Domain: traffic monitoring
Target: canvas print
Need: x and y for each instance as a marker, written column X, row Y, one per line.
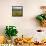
column 17, row 11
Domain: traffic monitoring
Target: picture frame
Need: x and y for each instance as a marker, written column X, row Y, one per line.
column 17, row 11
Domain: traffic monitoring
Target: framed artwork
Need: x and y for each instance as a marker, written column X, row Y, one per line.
column 17, row 11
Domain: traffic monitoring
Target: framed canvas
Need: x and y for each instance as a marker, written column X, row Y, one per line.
column 17, row 11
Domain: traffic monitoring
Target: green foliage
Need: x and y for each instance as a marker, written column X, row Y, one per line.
column 11, row 31
column 45, row 17
column 41, row 17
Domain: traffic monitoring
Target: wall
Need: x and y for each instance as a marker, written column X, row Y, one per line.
column 27, row 24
